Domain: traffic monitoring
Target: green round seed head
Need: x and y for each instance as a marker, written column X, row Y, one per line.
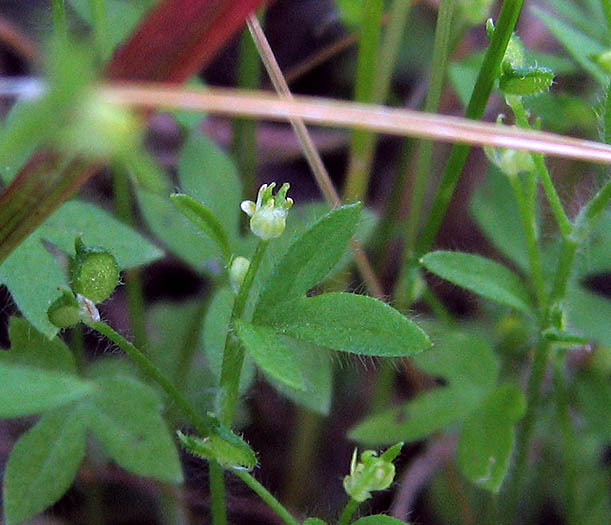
column 64, row 311
column 94, row 272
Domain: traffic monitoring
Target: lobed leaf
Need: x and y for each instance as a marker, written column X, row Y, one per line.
column 480, row 275
column 349, row 323
column 43, row 464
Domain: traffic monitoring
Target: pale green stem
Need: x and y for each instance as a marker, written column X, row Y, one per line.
column 441, row 52
column 348, row 512
column 361, row 147
column 266, row 496
column 99, row 22
column 542, row 172
column 60, row 23
column 218, row 504
column 233, row 355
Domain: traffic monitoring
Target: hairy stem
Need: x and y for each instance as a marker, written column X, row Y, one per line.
column 233, row 355
column 348, row 512
column 266, row 496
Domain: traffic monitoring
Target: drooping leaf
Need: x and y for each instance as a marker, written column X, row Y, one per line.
column 25, row 390
column 214, row 334
column 43, row 464
column 270, row 354
column 124, row 415
column 33, row 296
column 487, row 437
column 30, row 348
column 349, row 323
column 480, row 275
column 310, row 258
column 316, row 368
column 204, row 219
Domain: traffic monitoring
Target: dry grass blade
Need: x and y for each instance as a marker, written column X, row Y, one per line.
column 326, row 112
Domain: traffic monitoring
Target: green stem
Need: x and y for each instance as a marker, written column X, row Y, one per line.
column 527, row 425
column 99, row 22
column 508, row 18
column 60, row 23
column 245, row 130
column 383, row 388
column 529, row 225
column 348, row 512
column 203, row 425
column 216, row 475
column 607, row 10
column 390, row 48
column 361, row 143
column 133, row 281
column 542, row 172
column 441, row 52
column 266, row 496
column 303, row 449
column 569, row 441
column 233, row 355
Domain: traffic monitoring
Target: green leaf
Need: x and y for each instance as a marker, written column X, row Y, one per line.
column 30, row 348
column 594, row 396
column 499, row 219
column 25, row 390
column 310, row 258
column 589, row 314
column 214, row 334
column 349, row 323
column 525, row 81
column 32, row 295
column 378, row 519
column 314, row 521
column 270, row 354
column 207, row 174
column 129, row 13
column 461, row 358
column 204, row 219
column 580, row 46
column 316, row 368
column 480, row 275
column 124, row 415
column 467, row 362
column 43, row 464
column 416, row 419
column 487, row 438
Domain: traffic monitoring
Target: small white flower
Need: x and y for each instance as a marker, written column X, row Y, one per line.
column 268, row 214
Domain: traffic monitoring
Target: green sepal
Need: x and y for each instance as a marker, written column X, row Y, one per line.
column 94, row 272
column 219, row 449
column 65, row 310
column 524, row 81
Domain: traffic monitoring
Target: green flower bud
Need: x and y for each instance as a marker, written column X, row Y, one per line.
column 370, row 473
column 511, row 162
column 227, row 453
column 237, row 272
column 94, row 272
column 65, row 311
column 268, row 214
column 515, row 54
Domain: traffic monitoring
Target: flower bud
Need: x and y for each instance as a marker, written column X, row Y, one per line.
column 65, row 310
column 370, row 473
column 268, row 214
column 237, row 272
column 94, row 272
